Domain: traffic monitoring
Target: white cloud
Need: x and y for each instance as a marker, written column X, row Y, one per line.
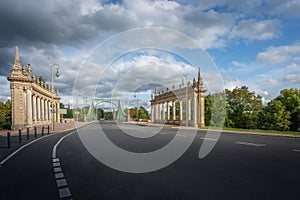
column 293, row 67
column 254, row 29
column 275, row 55
column 231, row 83
column 239, row 64
column 293, row 78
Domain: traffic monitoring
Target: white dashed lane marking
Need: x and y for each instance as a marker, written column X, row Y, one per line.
column 57, row 169
column 250, row 144
column 56, row 164
column 64, row 192
column 179, row 135
column 61, row 182
column 211, row 139
column 59, row 175
column 296, row 150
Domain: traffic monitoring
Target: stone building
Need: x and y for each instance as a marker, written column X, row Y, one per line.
column 31, row 98
column 189, row 99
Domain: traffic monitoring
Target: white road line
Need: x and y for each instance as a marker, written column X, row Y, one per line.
column 57, row 164
column 296, row 150
column 57, row 169
column 184, row 136
column 59, row 141
column 19, row 149
column 61, row 182
column 250, row 144
column 64, row 192
column 59, row 175
column 211, row 139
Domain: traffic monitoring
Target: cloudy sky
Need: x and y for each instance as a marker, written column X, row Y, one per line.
column 254, row 43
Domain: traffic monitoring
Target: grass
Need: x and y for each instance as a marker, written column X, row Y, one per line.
column 262, row 131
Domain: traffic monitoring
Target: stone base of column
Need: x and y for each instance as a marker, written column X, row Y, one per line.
column 202, row 125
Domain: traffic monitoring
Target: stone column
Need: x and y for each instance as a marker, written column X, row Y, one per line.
column 152, row 113
column 49, row 107
column 180, row 110
column 195, row 110
column 174, row 110
column 155, row 112
column 50, row 111
column 46, row 109
column 168, row 111
column 158, row 112
column 38, row 105
column 201, row 110
column 163, row 111
column 34, row 108
column 29, row 106
column 42, row 109
column 189, row 108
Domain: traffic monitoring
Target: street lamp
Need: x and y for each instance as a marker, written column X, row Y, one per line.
column 137, row 106
column 186, row 102
column 52, row 92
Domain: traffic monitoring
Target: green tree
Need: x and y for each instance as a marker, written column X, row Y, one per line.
column 207, row 107
column 143, row 113
column 215, row 110
column 108, row 115
column 243, row 107
column 290, row 98
column 274, row 116
column 5, row 115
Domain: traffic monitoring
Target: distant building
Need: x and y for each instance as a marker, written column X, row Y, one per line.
column 31, row 98
column 191, row 114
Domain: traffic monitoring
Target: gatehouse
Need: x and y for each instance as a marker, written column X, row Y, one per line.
column 187, row 104
column 31, row 98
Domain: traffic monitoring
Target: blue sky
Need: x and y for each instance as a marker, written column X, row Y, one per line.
column 253, row 43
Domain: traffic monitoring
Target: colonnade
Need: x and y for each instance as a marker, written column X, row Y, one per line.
column 188, row 111
column 189, row 100
column 38, row 108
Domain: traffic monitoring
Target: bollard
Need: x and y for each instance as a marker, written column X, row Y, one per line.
column 20, row 135
column 8, row 139
column 35, row 134
column 48, row 129
column 27, row 133
column 43, row 131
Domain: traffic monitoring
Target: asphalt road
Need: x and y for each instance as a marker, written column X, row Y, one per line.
column 240, row 166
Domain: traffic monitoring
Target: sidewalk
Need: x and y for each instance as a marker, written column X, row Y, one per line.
column 15, row 142
column 59, row 127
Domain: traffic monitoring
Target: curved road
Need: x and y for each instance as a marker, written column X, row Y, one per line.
column 239, row 167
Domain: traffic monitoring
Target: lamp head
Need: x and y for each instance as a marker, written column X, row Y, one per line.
column 57, row 74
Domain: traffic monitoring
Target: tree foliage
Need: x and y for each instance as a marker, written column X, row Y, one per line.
column 143, row 113
column 5, row 115
column 215, row 110
column 274, row 116
column 243, row 107
column 290, row 98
